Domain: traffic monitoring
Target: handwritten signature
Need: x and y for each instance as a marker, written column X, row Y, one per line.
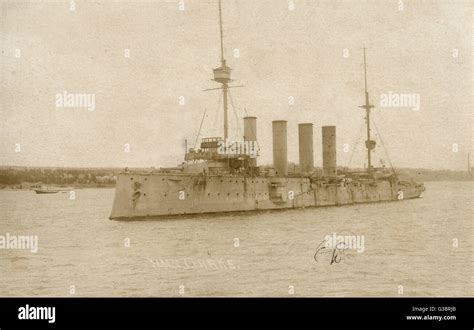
column 337, row 255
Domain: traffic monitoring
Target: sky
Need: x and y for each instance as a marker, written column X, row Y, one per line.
column 146, row 64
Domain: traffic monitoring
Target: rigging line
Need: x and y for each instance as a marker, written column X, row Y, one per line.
column 199, row 132
column 235, row 114
column 359, row 135
column 384, row 148
column 216, row 117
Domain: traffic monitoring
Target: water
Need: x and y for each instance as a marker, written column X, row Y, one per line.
column 408, row 244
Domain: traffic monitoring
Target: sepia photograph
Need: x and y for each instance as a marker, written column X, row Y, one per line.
column 233, row 148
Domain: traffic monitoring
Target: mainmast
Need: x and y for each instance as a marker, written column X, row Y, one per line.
column 222, row 75
column 369, row 144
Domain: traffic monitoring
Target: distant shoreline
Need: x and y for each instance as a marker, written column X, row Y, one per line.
column 74, row 187
column 20, row 178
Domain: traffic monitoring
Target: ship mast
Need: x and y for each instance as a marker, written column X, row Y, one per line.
column 369, row 144
column 221, row 34
column 222, row 75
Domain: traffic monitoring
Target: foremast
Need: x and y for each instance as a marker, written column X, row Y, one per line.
column 222, row 76
column 221, row 154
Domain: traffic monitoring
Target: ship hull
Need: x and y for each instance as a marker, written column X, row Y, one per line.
column 156, row 195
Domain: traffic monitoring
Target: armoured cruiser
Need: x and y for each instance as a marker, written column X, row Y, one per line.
column 221, row 177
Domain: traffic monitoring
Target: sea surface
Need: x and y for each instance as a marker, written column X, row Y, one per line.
column 420, row 247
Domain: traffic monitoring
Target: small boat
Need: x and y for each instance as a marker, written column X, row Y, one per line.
column 45, row 191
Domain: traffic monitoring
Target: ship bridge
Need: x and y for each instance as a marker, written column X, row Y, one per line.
column 218, row 149
column 222, row 156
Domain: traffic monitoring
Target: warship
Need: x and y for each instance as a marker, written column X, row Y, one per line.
column 224, row 177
